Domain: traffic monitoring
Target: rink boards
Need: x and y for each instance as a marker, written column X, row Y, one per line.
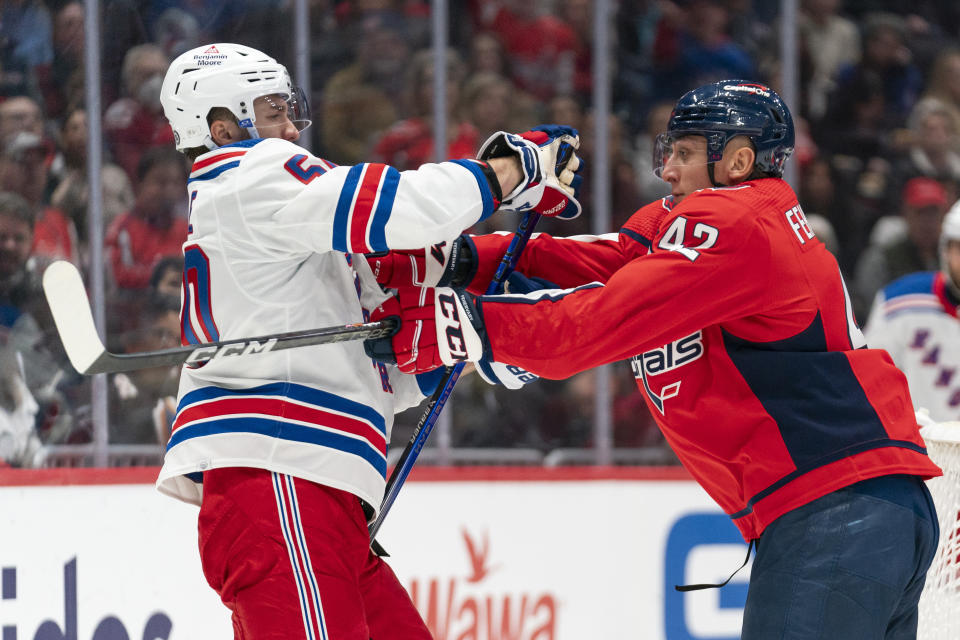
column 487, row 554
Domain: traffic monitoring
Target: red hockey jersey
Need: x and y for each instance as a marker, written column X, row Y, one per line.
column 739, row 329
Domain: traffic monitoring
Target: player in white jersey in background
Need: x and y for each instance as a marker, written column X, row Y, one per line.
column 915, row 319
column 286, row 452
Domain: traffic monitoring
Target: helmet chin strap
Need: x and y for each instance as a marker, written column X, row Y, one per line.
column 713, row 180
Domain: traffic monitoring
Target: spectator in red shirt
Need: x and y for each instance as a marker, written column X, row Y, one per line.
column 156, row 226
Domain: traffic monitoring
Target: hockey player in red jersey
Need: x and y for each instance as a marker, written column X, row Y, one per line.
column 286, row 452
column 738, row 326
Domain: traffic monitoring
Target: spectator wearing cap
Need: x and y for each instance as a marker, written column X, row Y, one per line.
column 25, row 171
column 903, row 244
column 24, row 114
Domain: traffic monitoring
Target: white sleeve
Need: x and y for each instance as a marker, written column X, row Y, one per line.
column 318, row 207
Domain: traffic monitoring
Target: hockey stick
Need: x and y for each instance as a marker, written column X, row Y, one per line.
column 439, row 398
column 70, row 306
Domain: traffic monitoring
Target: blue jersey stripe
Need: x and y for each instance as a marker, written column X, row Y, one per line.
column 633, row 235
column 341, row 218
column 196, row 260
column 300, row 393
column 485, row 193
column 186, row 327
column 388, row 194
column 284, row 431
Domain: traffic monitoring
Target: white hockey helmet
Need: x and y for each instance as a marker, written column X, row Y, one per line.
column 224, row 75
column 950, row 230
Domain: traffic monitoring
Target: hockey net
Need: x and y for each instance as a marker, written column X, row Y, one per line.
column 940, row 601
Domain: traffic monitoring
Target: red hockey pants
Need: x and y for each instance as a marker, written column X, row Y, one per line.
column 291, row 559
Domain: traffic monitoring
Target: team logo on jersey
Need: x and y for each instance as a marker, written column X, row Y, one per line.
column 666, row 358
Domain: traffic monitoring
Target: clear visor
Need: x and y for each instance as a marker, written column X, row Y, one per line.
column 684, row 150
column 278, row 109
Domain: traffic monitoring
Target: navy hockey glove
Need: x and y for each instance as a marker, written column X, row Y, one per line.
column 549, row 164
column 447, row 264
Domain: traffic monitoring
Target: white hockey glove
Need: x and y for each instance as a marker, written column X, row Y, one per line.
column 460, row 332
column 549, row 163
column 461, row 336
column 508, row 375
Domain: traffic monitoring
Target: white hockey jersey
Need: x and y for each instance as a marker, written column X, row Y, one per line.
column 915, row 319
column 274, row 245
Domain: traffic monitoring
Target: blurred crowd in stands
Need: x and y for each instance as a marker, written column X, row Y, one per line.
column 878, row 159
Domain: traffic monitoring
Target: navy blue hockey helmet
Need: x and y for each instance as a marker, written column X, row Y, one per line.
column 722, row 110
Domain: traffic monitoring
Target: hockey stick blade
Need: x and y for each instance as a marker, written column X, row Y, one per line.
column 67, row 297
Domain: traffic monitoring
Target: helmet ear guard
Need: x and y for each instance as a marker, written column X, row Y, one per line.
column 720, row 111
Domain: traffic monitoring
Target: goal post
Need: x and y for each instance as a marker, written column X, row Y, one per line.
column 940, row 601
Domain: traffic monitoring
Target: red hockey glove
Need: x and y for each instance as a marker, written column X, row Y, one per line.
column 447, row 264
column 437, row 327
column 413, row 348
column 549, row 163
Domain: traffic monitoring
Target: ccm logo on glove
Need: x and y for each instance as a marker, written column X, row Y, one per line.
column 449, row 326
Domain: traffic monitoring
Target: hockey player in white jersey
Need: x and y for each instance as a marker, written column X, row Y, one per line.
column 915, row 319
column 286, row 452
